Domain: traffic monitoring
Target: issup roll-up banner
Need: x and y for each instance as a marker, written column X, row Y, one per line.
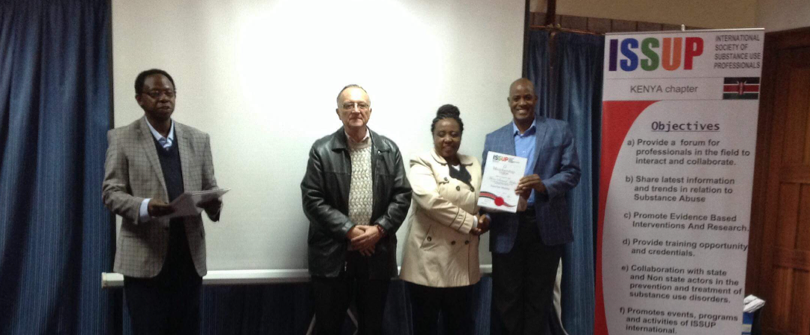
column 677, row 166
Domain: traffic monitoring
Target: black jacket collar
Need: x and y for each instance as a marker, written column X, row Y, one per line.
column 340, row 142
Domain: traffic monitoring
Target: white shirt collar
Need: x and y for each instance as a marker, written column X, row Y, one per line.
column 158, row 136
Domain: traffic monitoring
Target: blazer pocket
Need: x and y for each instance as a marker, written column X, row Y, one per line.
column 429, row 241
column 132, row 230
column 132, row 245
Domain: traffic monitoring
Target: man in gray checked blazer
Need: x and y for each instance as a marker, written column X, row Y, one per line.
column 527, row 246
column 150, row 162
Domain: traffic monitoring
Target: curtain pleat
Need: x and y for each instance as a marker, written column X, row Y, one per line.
column 54, row 115
column 574, row 62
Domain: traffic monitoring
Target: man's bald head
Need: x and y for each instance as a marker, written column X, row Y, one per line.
column 521, row 81
column 354, row 108
column 340, row 94
column 522, row 101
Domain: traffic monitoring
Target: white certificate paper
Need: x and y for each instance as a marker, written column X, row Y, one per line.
column 186, row 203
column 502, row 174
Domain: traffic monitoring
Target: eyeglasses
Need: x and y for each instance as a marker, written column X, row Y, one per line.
column 362, row 106
column 155, row 94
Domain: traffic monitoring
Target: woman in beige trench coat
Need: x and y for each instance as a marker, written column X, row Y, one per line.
column 440, row 258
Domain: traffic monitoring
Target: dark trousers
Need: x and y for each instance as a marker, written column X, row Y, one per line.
column 168, row 303
column 453, row 303
column 523, row 282
column 334, row 295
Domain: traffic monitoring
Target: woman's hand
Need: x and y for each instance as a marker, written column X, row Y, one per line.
column 483, row 225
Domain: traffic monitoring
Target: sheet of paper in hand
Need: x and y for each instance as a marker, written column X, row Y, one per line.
column 501, row 176
column 186, row 203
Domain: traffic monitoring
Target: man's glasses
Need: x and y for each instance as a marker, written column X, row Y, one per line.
column 155, row 94
column 362, row 106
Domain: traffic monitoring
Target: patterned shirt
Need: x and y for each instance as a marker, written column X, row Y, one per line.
column 361, row 193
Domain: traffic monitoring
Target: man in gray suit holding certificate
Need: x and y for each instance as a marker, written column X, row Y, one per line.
column 527, row 246
column 150, row 162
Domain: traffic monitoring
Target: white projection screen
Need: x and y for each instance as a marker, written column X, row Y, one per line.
column 261, row 77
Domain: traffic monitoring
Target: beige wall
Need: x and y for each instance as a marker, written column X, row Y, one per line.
column 694, row 13
column 245, row 69
column 776, row 15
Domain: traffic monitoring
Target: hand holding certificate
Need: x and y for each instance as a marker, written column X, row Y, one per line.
column 187, row 203
column 502, row 174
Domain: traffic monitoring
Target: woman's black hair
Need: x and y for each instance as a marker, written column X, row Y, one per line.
column 448, row 111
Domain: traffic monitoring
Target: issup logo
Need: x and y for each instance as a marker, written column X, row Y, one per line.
column 498, row 158
column 665, row 52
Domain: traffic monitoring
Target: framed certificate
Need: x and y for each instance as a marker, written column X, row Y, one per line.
column 502, row 174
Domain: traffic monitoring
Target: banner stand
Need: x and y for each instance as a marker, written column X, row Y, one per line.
column 677, row 166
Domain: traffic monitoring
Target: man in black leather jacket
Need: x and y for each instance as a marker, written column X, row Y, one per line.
column 356, row 195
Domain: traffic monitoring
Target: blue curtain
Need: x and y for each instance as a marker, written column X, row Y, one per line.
column 54, row 114
column 287, row 309
column 539, row 71
column 573, row 92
